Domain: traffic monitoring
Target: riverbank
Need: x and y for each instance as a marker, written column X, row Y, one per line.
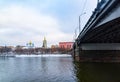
column 34, row 55
column 44, row 55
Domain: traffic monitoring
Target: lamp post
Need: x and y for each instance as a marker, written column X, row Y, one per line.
column 78, row 27
column 80, row 21
column 75, row 33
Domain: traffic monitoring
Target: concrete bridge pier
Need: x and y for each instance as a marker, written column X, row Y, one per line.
column 77, row 52
column 98, row 52
column 100, row 46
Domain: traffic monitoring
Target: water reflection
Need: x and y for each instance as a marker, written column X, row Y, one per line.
column 98, row 72
column 37, row 69
column 56, row 69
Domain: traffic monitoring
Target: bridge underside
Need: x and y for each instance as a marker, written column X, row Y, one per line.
column 99, row 41
column 107, row 33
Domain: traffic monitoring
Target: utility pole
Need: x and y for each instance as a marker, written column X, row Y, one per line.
column 79, row 25
column 80, row 21
column 75, row 34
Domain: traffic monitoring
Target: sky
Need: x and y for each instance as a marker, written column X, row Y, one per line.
column 22, row 21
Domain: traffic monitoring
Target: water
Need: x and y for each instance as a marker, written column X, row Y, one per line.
column 55, row 68
column 37, row 69
column 98, row 72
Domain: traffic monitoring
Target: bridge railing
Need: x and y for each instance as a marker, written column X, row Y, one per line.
column 100, row 7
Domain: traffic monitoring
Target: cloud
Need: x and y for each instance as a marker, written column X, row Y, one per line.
column 19, row 24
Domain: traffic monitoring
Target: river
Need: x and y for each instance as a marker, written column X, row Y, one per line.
column 45, row 68
column 55, row 68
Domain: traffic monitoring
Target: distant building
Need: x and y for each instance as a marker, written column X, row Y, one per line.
column 66, row 45
column 30, row 45
column 44, row 43
column 11, row 47
column 19, row 47
column 54, row 46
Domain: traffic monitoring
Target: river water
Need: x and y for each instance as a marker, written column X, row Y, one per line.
column 55, row 68
column 44, row 68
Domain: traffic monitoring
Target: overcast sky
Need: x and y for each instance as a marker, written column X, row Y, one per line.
column 22, row 21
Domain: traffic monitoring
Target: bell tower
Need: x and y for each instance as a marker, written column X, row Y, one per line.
column 44, row 43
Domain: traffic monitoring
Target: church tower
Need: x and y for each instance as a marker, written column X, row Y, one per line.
column 44, row 43
column 30, row 45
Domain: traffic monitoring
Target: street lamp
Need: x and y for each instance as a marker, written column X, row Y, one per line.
column 75, row 36
column 80, row 21
column 75, row 33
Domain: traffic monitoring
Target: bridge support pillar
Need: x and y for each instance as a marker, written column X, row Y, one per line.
column 109, row 52
column 100, row 46
column 77, row 52
column 73, row 54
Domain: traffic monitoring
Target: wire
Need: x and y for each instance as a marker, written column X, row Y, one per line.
column 82, row 11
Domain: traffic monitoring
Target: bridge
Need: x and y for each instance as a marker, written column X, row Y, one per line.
column 102, row 31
